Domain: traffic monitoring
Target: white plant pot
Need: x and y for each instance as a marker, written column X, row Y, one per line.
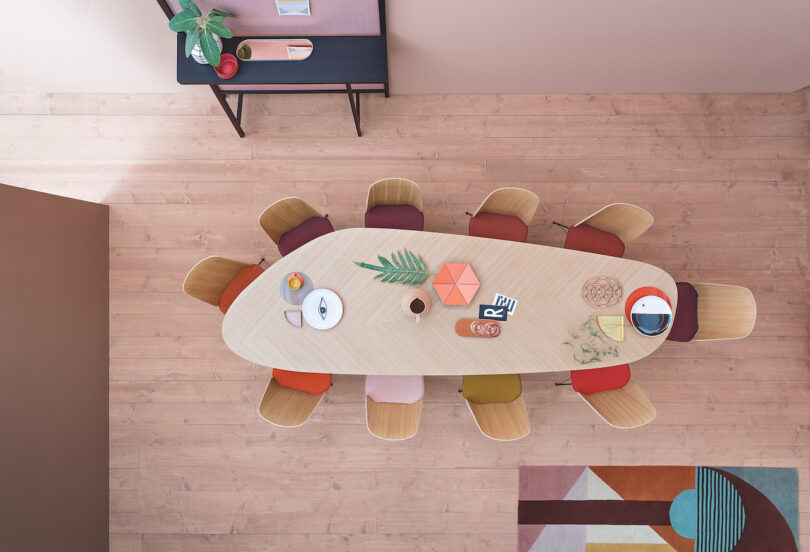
column 197, row 52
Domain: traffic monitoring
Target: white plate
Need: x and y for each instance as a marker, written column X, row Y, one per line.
column 322, row 309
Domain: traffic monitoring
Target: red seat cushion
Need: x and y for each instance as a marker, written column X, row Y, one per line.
column 303, row 381
column 401, row 217
column 499, row 227
column 242, row 279
column 303, row 233
column 600, row 379
column 685, row 324
column 592, row 240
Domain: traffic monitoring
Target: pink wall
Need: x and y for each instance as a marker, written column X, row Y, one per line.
column 329, row 17
column 545, row 46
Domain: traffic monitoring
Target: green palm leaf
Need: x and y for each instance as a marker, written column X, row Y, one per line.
column 408, row 268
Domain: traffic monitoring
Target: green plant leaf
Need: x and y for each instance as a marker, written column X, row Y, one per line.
column 209, row 48
column 220, row 12
column 183, row 21
column 407, row 269
column 192, row 37
column 188, row 5
column 218, row 18
column 219, row 29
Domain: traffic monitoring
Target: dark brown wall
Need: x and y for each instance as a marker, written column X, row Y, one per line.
column 54, row 269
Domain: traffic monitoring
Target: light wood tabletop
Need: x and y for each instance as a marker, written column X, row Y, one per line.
column 549, row 328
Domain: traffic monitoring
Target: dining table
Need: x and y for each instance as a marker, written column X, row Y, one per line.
column 552, row 327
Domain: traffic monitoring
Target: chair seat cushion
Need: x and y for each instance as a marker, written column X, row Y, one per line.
column 242, row 279
column 592, row 240
column 685, row 324
column 395, row 389
column 303, row 381
column 401, row 217
column 303, row 233
column 600, row 379
column 499, row 227
column 499, row 388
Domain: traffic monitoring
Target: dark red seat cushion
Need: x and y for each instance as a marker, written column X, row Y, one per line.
column 242, row 279
column 401, row 217
column 303, row 381
column 685, row 324
column 303, row 233
column 600, row 379
column 592, row 240
column 500, row 227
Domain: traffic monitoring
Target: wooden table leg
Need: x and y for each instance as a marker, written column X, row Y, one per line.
column 355, row 110
column 227, row 109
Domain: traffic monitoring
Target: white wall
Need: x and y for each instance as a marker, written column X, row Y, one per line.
column 508, row 46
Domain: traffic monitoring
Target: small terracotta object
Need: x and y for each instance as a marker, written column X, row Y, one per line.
column 478, row 327
column 416, row 303
column 293, row 317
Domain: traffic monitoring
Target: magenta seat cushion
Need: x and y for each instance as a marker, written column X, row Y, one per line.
column 592, row 240
column 499, row 227
column 303, row 233
column 600, row 379
column 685, row 324
column 395, row 389
column 400, row 217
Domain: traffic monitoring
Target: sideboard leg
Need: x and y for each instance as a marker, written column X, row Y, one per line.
column 227, row 109
column 355, row 110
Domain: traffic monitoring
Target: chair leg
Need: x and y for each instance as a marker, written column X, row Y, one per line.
column 564, row 382
column 555, row 223
column 469, row 214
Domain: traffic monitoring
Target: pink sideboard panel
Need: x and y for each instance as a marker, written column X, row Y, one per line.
column 329, row 17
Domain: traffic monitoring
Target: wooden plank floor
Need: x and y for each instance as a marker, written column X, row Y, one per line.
column 194, row 468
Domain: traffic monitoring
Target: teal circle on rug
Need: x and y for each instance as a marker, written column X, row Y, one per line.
column 683, row 514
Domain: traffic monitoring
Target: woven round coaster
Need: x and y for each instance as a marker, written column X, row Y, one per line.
column 602, row 291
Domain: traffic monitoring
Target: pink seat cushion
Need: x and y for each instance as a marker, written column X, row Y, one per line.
column 395, row 389
column 499, row 227
column 600, row 379
column 401, row 217
column 592, row 240
column 303, row 233
column 685, row 324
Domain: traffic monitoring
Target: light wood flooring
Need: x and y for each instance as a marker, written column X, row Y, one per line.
column 194, row 468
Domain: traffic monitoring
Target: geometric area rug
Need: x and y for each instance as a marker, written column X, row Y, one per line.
column 657, row 509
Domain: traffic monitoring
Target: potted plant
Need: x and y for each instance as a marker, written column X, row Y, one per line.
column 203, row 42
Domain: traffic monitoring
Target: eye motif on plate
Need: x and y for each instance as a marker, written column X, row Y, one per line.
column 649, row 311
column 322, row 309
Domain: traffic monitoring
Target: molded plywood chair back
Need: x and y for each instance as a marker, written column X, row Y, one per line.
column 611, row 393
column 724, row 312
column 515, row 202
column 287, row 407
column 208, row 278
column 496, row 403
column 505, row 214
column 394, row 203
column 623, row 220
column 291, row 222
column 394, row 406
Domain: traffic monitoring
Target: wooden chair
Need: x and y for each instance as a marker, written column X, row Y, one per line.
column 394, row 203
column 608, row 230
column 496, row 403
column 515, row 202
column 612, row 394
column 394, row 406
column 505, row 214
column 724, row 312
column 287, row 407
column 291, row 222
column 208, row 278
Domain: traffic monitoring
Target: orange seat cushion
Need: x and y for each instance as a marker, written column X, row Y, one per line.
column 592, row 240
column 303, row 381
column 600, row 379
column 499, row 227
column 239, row 283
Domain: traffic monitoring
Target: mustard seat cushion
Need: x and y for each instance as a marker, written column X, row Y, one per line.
column 500, row 388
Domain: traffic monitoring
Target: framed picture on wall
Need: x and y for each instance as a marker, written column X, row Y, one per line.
column 293, row 7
